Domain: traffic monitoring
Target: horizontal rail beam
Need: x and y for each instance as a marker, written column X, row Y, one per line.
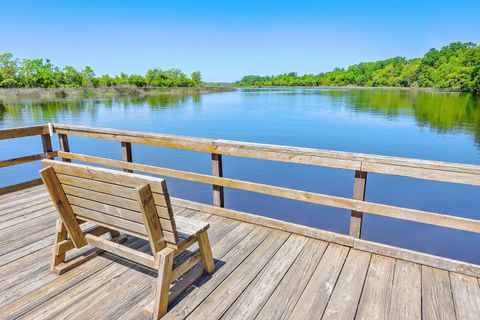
column 426, row 217
column 26, row 159
column 386, row 250
column 21, row 186
column 23, row 132
column 413, row 168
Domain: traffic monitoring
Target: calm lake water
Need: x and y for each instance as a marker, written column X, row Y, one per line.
column 406, row 123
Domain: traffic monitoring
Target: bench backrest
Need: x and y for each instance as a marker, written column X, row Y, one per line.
column 118, row 200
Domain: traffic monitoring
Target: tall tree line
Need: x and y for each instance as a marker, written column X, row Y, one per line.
column 453, row 67
column 41, row 73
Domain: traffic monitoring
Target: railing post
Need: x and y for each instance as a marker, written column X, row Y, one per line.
column 127, row 153
column 217, row 171
column 359, row 187
column 64, row 146
column 47, row 144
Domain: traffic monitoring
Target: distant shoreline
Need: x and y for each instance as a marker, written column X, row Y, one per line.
column 102, row 92
column 353, row 87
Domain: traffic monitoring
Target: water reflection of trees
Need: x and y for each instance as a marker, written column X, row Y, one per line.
column 442, row 112
column 58, row 110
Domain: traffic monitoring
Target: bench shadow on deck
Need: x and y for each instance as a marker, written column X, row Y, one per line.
column 262, row 273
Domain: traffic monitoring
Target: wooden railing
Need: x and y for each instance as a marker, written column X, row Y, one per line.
column 48, row 153
column 361, row 164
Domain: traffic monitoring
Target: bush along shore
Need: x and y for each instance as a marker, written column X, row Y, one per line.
column 102, row 92
column 41, row 73
column 455, row 67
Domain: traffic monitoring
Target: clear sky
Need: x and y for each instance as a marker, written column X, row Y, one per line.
column 228, row 39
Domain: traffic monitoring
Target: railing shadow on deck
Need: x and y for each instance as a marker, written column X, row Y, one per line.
column 361, row 164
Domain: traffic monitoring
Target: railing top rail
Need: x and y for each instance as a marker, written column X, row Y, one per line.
column 416, row 168
column 19, row 132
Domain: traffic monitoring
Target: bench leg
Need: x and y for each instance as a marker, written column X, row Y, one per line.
column 61, row 246
column 206, row 251
column 60, row 235
column 162, row 284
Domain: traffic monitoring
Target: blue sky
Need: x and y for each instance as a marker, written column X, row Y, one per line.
column 228, row 39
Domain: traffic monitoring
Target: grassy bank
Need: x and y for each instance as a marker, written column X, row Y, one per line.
column 102, row 92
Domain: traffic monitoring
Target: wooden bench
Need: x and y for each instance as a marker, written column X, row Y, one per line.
column 116, row 202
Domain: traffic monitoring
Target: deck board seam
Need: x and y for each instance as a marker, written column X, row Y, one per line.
column 243, row 260
column 455, row 311
column 25, row 245
column 13, row 208
column 70, row 285
column 132, row 265
column 363, row 286
column 20, row 222
column 310, row 278
column 256, row 276
column 391, row 286
column 336, row 281
column 148, row 272
column 288, row 269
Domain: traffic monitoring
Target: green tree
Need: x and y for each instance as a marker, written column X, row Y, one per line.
column 8, row 70
column 196, row 79
column 71, row 77
column 88, row 77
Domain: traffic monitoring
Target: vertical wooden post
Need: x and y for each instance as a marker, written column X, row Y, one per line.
column 47, row 144
column 64, row 146
column 217, row 171
column 127, row 153
column 359, row 187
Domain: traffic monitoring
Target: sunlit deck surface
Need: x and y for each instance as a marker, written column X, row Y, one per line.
column 261, row 273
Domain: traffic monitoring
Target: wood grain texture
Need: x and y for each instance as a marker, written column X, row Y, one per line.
column 282, row 301
column 150, row 220
column 406, row 301
column 346, row 294
column 466, row 296
column 107, row 288
column 64, row 209
column 64, row 145
column 376, row 296
column 23, row 132
column 228, row 291
column 359, row 188
column 422, row 169
column 250, row 302
column 217, row 171
column 437, row 301
column 232, row 260
column 443, row 220
column 127, row 153
column 314, row 299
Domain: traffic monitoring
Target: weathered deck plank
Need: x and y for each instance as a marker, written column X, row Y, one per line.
column 466, row 296
column 249, row 303
column 437, row 301
column 261, row 273
column 375, row 300
column 406, row 302
column 314, row 299
column 346, row 295
column 282, row 301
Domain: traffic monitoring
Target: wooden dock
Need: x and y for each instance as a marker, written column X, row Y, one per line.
column 265, row 268
column 263, row 273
